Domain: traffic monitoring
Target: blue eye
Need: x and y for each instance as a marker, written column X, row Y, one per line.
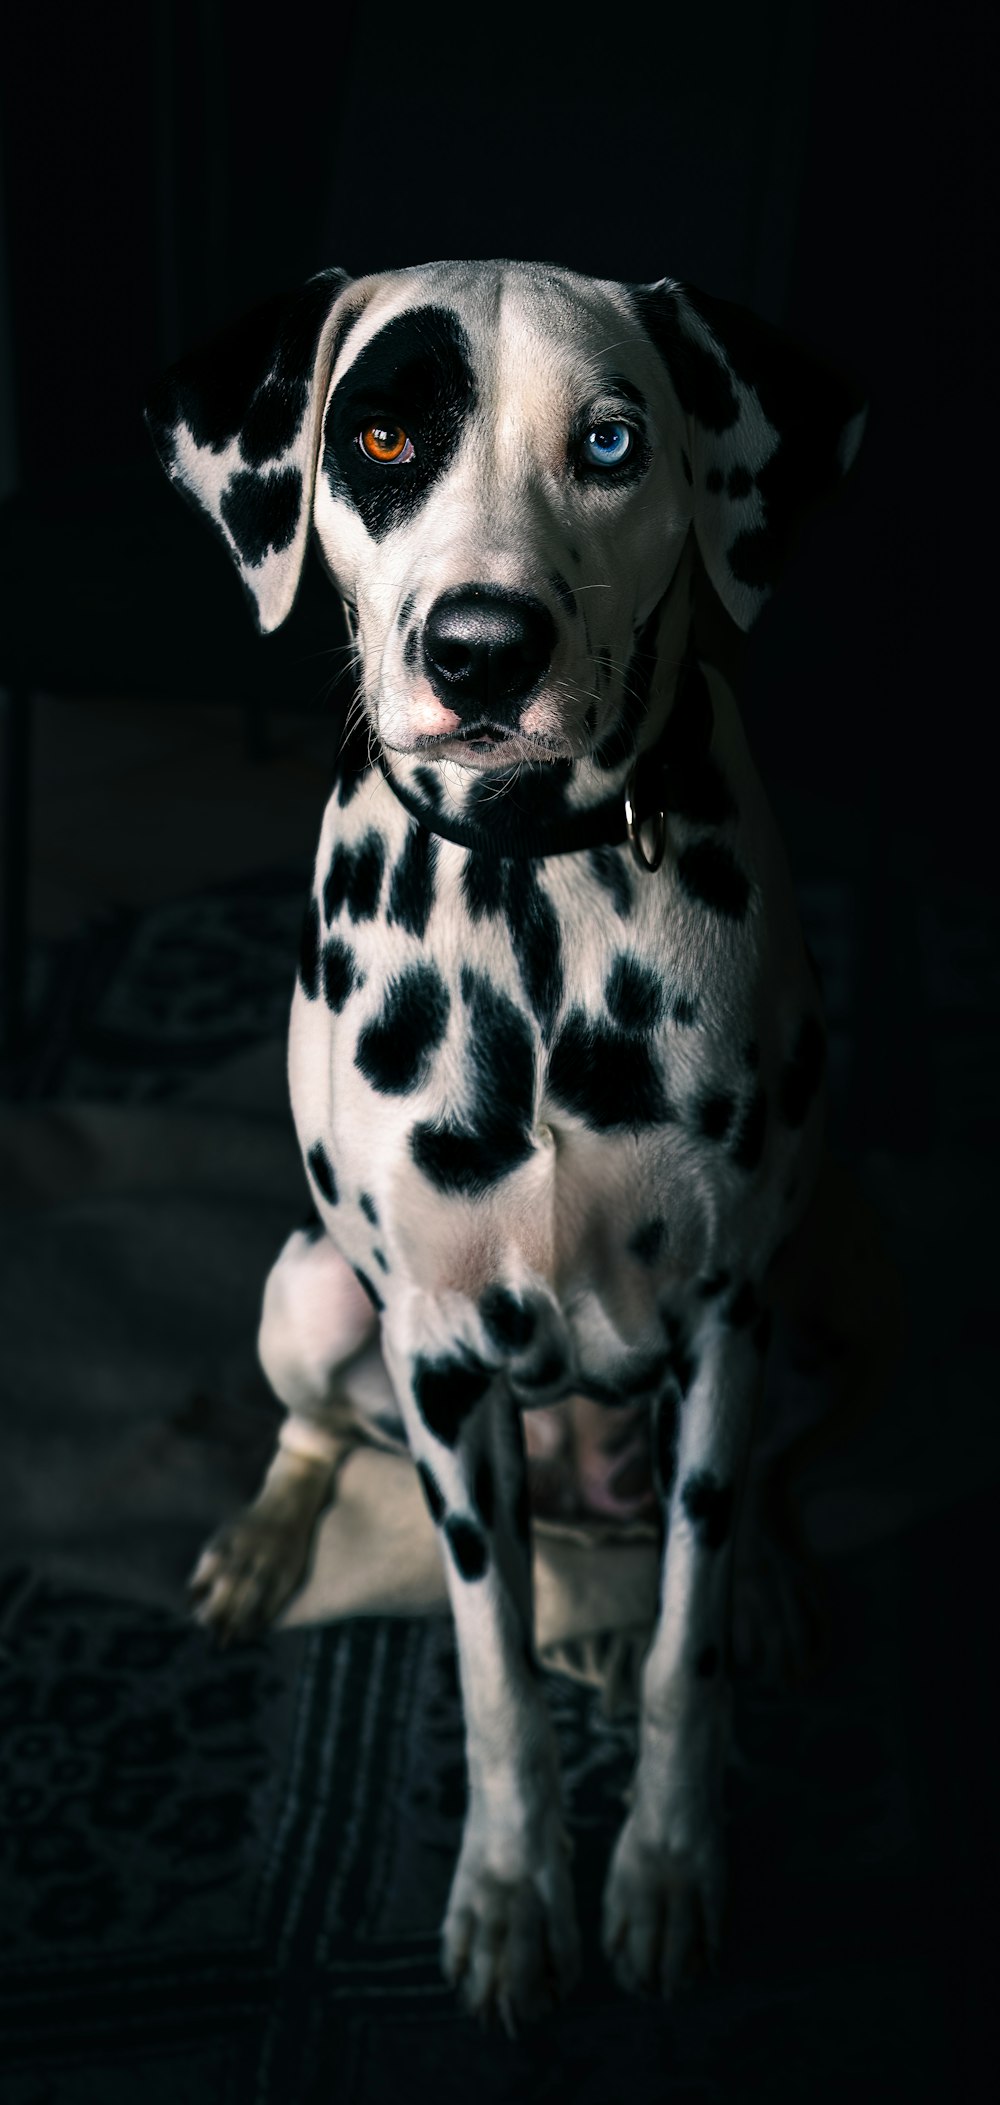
column 607, row 445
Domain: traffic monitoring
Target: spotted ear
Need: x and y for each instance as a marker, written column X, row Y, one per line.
column 771, row 430
column 237, row 428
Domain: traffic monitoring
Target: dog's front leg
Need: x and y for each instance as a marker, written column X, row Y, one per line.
column 509, row 1935
column 663, row 1902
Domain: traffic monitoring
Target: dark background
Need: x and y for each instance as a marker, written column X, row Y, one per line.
column 165, row 166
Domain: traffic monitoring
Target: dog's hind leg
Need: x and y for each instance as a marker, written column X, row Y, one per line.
column 317, row 1322
column 509, row 1935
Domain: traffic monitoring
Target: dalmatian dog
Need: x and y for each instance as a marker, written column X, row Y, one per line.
column 556, row 1052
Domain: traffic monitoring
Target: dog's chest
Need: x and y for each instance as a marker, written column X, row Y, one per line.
column 501, row 1064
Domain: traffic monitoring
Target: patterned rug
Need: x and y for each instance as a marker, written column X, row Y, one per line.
column 222, row 1875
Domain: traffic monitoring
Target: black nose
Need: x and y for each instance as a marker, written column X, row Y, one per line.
column 486, row 648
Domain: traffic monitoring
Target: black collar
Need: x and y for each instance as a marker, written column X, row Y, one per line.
column 501, row 830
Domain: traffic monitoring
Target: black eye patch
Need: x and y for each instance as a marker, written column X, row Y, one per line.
column 417, row 372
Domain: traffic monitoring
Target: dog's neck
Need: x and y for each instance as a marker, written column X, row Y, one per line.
column 554, row 807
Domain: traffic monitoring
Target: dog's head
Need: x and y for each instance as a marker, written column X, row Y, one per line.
column 502, row 463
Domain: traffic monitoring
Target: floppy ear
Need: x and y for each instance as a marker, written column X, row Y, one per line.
column 237, row 427
column 771, row 430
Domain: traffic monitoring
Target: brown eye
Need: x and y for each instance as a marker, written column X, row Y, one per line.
column 385, row 442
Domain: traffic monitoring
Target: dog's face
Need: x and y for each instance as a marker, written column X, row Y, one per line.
column 497, row 443
column 502, row 463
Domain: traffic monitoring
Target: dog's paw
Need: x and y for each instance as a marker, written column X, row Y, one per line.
column 510, row 1943
column 662, row 1910
column 247, row 1572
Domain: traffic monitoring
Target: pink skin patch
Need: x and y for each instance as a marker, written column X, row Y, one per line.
column 428, row 717
column 586, row 1461
column 546, row 718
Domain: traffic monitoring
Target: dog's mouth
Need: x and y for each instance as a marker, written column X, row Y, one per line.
column 487, row 739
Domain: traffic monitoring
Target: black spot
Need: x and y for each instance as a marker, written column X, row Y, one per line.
column 709, row 1508
column 684, row 1009
column 410, row 649
column 633, row 996
column 446, row 1391
column 355, row 878
column 511, row 1322
column 752, row 557
column 706, row 1665
column 483, row 884
column 468, row 1547
column 432, row 1493
column 715, row 1115
column 339, row 973
column 741, row 1310
column 469, row 1155
column 381, row 1260
column 411, row 891
column 511, row 886
column 416, row 371
column 406, row 610
column 321, row 1171
column 609, row 867
column 313, row 1227
column 372, row 1291
column 711, row 875
column 748, row 1145
column 533, row 925
column 608, row 1080
column 262, row 511
column 647, row 1241
column 483, row 1490
column 309, row 951
column 681, row 1361
column 803, row 1072
column 716, row 1283
column 393, row 1052
column 369, row 1208
column 547, row 1371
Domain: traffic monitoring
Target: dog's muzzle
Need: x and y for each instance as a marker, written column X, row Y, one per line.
column 485, row 651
